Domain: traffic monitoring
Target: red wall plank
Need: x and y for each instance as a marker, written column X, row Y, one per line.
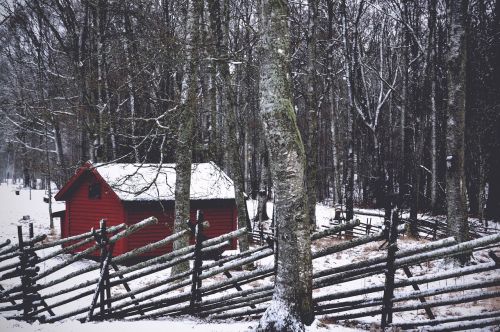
column 84, row 213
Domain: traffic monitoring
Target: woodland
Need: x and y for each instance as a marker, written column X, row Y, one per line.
column 366, row 103
column 108, row 80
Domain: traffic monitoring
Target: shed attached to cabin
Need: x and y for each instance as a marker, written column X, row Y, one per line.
column 132, row 192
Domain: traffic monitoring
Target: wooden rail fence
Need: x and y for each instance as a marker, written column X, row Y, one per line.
column 216, row 286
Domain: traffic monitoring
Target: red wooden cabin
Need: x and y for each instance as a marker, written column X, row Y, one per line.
column 131, row 192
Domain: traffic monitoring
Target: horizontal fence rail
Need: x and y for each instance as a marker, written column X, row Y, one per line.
column 238, row 285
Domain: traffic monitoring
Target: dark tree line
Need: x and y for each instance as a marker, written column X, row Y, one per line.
column 111, row 81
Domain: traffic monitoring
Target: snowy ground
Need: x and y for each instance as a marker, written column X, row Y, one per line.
column 13, row 208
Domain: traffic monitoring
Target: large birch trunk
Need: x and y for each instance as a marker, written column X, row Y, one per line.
column 455, row 175
column 291, row 306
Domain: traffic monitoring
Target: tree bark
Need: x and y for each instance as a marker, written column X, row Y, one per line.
column 291, row 306
column 184, row 151
column 455, row 175
column 312, row 114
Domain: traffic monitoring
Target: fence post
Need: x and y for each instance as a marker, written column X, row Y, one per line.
column 198, row 261
column 22, row 271
column 103, row 290
column 390, row 271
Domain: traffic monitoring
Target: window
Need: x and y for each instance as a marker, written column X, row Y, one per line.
column 95, row 190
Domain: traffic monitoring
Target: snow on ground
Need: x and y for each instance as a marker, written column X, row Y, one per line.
column 13, row 208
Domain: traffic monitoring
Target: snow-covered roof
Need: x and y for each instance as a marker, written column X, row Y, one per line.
column 145, row 182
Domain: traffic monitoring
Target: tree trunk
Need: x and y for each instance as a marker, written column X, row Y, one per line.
column 291, row 306
column 455, row 175
column 262, row 194
column 312, row 115
column 349, row 181
column 184, row 151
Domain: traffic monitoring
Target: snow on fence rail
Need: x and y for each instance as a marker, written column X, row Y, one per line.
column 207, row 295
column 346, row 305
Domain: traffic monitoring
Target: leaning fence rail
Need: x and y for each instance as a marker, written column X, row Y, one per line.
column 38, row 297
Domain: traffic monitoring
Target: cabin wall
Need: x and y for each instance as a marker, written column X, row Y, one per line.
column 221, row 215
column 83, row 213
column 137, row 212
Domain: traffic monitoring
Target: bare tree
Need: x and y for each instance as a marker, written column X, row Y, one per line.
column 291, row 306
column 455, row 175
column 189, row 105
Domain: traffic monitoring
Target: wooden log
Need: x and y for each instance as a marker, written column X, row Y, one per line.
column 155, row 245
column 219, row 306
column 364, row 303
column 448, row 289
column 435, row 303
column 203, row 275
column 449, row 251
column 415, row 324
column 123, row 278
column 153, row 263
column 113, row 239
column 67, row 249
column 88, row 235
column 7, row 253
column 408, row 282
column 467, row 325
column 401, row 253
column 334, row 230
column 408, row 260
column 350, row 244
column 10, row 255
column 99, row 288
column 428, row 310
column 240, row 313
column 162, row 303
column 6, row 243
column 247, row 302
column 126, row 232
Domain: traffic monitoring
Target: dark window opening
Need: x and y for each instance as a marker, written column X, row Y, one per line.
column 95, row 190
